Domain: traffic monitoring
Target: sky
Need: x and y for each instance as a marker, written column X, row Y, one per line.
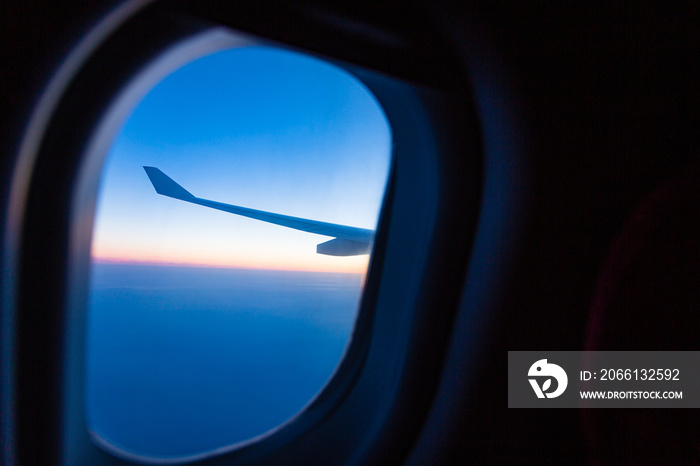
column 258, row 127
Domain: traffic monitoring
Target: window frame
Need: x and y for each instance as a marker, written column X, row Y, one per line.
column 384, row 386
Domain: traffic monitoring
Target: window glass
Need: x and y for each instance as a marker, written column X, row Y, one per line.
column 207, row 328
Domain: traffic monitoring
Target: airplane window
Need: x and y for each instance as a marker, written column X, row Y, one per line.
column 235, row 218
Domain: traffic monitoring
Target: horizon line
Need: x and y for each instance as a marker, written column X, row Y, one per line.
column 165, row 263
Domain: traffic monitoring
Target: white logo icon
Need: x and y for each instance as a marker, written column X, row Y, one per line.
column 542, row 369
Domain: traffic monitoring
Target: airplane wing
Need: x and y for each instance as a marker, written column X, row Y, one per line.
column 349, row 241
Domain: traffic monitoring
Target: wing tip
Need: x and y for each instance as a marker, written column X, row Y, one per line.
column 165, row 185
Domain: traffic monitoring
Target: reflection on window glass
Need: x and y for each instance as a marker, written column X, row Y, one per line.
column 208, row 328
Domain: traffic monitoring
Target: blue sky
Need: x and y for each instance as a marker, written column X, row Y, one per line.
column 258, row 127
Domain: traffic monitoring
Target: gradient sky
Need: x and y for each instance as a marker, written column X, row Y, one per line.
column 258, row 127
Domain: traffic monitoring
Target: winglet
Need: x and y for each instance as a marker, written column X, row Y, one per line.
column 165, row 185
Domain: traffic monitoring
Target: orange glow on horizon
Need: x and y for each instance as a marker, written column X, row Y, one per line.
column 204, row 250
column 341, row 265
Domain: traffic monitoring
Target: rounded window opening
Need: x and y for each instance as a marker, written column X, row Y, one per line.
column 235, row 218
